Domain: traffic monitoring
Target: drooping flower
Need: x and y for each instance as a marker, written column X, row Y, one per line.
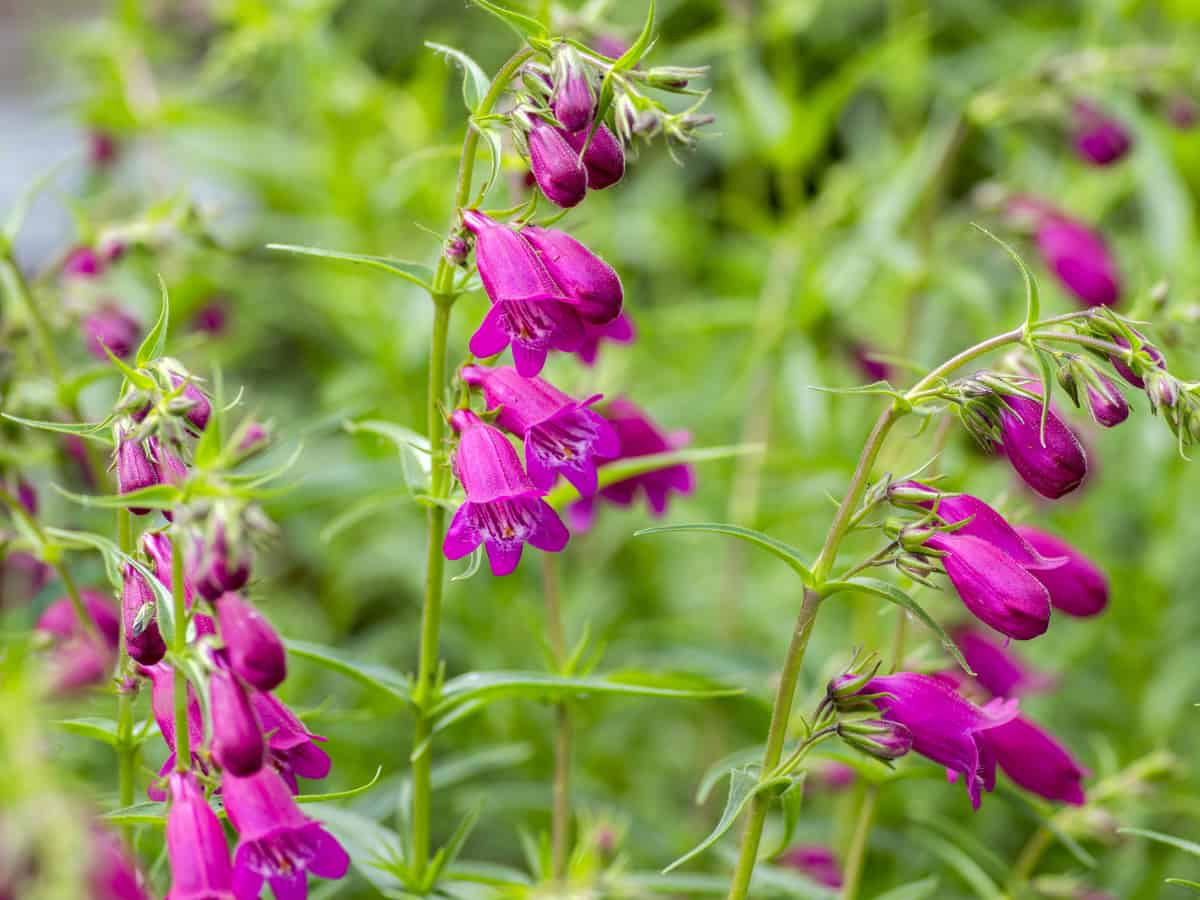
column 603, row 158
column 1099, row 139
column 201, row 409
column 255, row 651
column 503, row 509
column 556, row 166
column 113, row 875
column 1037, row 761
column 292, row 747
column 867, row 361
column 110, row 326
column 237, row 736
column 619, row 331
column 135, row 469
column 591, row 284
column 158, row 547
column 162, row 704
column 997, row 671
column 573, row 101
column 1149, row 357
column 171, row 467
column 196, row 848
column 561, row 435
column 1080, row 259
column 218, row 564
column 639, row 436
column 814, row 861
column 1106, row 403
column 529, row 309
column 59, row 618
column 80, row 658
column 143, row 639
column 1079, row 588
column 1049, row 459
column 945, row 728
column 277, row 843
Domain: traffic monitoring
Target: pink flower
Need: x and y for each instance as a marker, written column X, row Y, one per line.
column 196, row 847
column 1036, row 761
column 998, row 671
column 815, row 861
column 1079, row 588
column 1049, row 459
column 619, row 331
column 556, row 166
column 162, row 704
column 111, row 327
column 1100, row 139
column 237, row 736
column 253, row 647
column 291, row 745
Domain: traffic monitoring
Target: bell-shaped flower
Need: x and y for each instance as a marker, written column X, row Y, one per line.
column 1037, row 761
column 200, row 410
column 80, row 658
column 556, row 166
column 1080, row 259
column 503, row 509
column 158, row 547
column 1079, row 588
column 219, row 564
column 1100, row 140
column 603, row 158
column 529, row 309
column 291, row 745
column 254, row 648
column 1050, row 460
column 573, row 101
column 143, row 640
column 196, row 848
column 586, row 279
column 1106, row 403
column 1151, row 357
column 561, row 435
column 162, row 705
column 277, row 843
column 111, row 327
column 237, row 735
column 136, row 469
column 997, row 670
column 112, row 875
column 619, row 331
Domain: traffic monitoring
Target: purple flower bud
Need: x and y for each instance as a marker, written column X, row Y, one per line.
column 83, row 263
column 201, row 409
column 816, row 862
column 1162, row 389
column 868, row 363
column 110, row 326
column 1099, row 138
column 503, row 510
column 162, row 705
column 529, row 309
column 255, row 651
column 102, row 148
column 1149, row 356
column 1106, row 402
column 135, row 470
column 604, row 158
column 237, row 737
column 143, row 640
column 619, row 331
column 876, row 737
column 1080, row 588
column 212, row 318
column 113, row 875
column 456, row 251
column 292, row 746
column 217, row 566
column 27, row 496
column 1036, row 761
column 556, row 166
column 1050, row 460
column 587, row 280
column 276, row 842
column 998, row 671
column 196, row 847
column 1182, row 112
column 171, row 469
column 1079, row 259
column 573, row 101
column 639, row 436
column 993, row 586
column 254, row 438
column 945, row 728
column 560, row 434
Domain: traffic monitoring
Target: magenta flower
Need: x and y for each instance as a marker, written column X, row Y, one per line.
column 503, row 510
column 110, row 326
column 1099, row 139
column 1079, row 588
column 587, row 280
column 83, row 263
column 113, row 874
column 867, row 361
column 619, row 331
column 1036, row 761
column 27, row 496
column 237, row 737
column 998, row 671
column 22, row 576
column 814, row 861
column 1079, row 259
column 529, row 310
column 835, row 776
column 945, row 728
column 136, row 469
column 171, row 468
column 59, row 618
column 212, row 318
column 1106, row 403
column 604, row 158
column 561, row 435
column 639, row 436
column 573, row 101
column 291, row 745
column 255, row 651
column 196, row 847
column 158, row 547
column 556, row 166
column 1150, row 356
column 201, row 409
column 162, row 704
column 143, row 640
column 1049, row 460
column 217, row 566
column 102, row 148
column 276, row 842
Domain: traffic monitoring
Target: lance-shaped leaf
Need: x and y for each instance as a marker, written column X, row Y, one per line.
column 475, row 82
column 416, row 273
column 744, row 785
column 777, row 548
column 379, row 677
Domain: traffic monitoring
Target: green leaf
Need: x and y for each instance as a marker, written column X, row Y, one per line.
column 622, row 469
column 155, row 342
column 489, row 686
column 624, row 62
column 148, row 812
column 1179, row 843
column 82, row 429
column 24, row 202
column 454, row 770
column 475, row 82
column 961, row 862
column 415, row 459
column 792, row 801
column 916, row 890
column 157, row 496
column 890, row 592
column 777, row 548
column 449, row 853
column 1183, row 882
column 1033, row 303
column 525, row 26
column 739, row 759
column 678, row 885
column 416, row 273
column 93, row 727
column 342, row 795
column 369, row 844
column 743, row 786
column 379, row 677
column 495, row 157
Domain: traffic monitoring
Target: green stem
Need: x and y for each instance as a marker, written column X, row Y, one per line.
column 16, row 286
column 968, row 355
column 127, row 751
column 560, row 822
column 857, row 853
column 81, row 611
column 1030, row 854
column 183, row 750
column 780, row 715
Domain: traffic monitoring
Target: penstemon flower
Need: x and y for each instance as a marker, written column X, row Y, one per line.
column 237, row 736
column 110, row 327
column 253, row 647
column 815, row 861
column 143, row 640
column 573, row 102
column 136, row 469
column 196, row 848
column 1036, row 761
column 998, row 671
column 1099, row 139
column 292, row 747
column 562, row 436
column 603, row 158
column 619, row 331
column 1047, row 456
column 162, row 704
column 1078, row 588
column 590, row 283
column 556, row 166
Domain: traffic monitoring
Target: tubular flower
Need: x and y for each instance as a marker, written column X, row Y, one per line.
column 113, row 874
column 1079, row 588
column 573, row 101
column 1050, row 460
column 157, row 546
column 219, row 565
column 255, row 651
column 945, row 728
column 603, row 158
column 162, row 704
column 59, row 618
column 619, row 331
column 111, row 327
column 1079, row 259
column 143, row 640
column 1147, row 351
column 815, row 862
column 503, row 510
column 1106, row 403
column 556, row 166
column 135, row 470
column 639, row 436
column 78, row 659
column 200, row 410
column 277, row 843
column 1036, row 761
column 237, row 737
column 997, row 671
column 586, row 279
column 561, row 435
column 291, row 746
column 1100, row 139
column 196, row 847
column 529, row 310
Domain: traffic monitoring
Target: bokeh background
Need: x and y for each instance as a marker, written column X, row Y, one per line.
column 830, row 205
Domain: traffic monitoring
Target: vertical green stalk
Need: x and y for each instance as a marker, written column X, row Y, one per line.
column 15, row 286
column 81, row 611
column 183, row 750
column 856, row 854
column 560, row 823
column 126, row 750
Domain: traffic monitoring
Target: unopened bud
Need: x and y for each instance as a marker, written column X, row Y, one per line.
column 912, row 494
column 877, row 737
column 456, row 251
column 1162, row 389
column 573, row 101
